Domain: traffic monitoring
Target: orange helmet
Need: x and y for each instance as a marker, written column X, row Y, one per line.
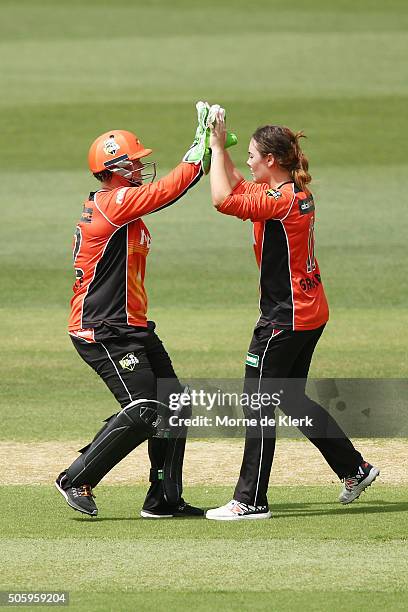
column 113, row 147
column 113, row 150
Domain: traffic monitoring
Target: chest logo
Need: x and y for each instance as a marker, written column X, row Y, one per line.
column 129, row 362
column 274, row 193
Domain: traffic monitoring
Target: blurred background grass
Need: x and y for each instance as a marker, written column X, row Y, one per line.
column 69, row 72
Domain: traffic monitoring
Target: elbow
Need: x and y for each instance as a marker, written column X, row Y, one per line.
column 219, row 198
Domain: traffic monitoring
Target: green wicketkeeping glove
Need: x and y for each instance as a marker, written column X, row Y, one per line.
column 200, row 151
column 196, row 152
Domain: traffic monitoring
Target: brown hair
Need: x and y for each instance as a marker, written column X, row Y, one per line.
column 283, row 144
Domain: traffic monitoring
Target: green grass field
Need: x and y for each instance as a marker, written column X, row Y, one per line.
column 313, row 555
column 70, row 71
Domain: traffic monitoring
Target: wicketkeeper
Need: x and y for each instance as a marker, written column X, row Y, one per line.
column 108, row 324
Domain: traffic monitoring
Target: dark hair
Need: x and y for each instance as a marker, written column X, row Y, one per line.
column 103, row 175
column 283, row 144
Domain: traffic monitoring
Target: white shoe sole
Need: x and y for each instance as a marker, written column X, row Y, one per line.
column 374, row 472
column 70, row 504
column 150, row 515
column 238, row 517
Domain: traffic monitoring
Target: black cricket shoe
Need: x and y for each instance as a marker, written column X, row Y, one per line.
column 183, row 509
column 79, row 498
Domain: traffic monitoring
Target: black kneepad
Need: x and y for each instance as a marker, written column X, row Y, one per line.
column 121, row 434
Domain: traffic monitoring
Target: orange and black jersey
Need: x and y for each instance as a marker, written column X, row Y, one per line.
column 291, row 290
column 111, row 244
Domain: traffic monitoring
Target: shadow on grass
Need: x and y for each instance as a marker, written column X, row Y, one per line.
column 98, row 519
column 282, row 511
column 376, row 506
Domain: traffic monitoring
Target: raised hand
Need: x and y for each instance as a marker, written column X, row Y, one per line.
column 218, row 131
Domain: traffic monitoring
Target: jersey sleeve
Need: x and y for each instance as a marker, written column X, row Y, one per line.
column 129, row 203
column 257, row 202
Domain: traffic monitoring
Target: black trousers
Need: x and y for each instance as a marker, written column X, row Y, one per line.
column 283, row 354
column 130, row 363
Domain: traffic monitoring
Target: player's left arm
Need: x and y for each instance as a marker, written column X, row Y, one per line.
column 260, row 204
column 130, row 203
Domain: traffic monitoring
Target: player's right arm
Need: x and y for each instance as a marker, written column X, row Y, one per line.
column 242, row 199
column 224, row 177
column 257, row 202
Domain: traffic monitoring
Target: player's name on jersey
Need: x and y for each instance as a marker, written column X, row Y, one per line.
column 227, row 421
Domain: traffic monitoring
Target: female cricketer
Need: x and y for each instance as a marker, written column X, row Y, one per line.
column 293, row 310
column 109, row 328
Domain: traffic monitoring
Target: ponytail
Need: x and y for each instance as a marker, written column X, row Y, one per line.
column 300, row 174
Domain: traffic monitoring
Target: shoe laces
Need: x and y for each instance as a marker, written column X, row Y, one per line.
column 350, row 482
column 84, row 491
column 241, row 507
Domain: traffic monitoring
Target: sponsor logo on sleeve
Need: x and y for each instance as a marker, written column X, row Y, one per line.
column 306, row 206
column 129, row 362
column 274, row 193
column 120, row 196
column 252, row 360
column 86, row 214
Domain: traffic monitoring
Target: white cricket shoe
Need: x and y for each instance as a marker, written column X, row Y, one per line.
column 236, row 511
column 355, row 485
